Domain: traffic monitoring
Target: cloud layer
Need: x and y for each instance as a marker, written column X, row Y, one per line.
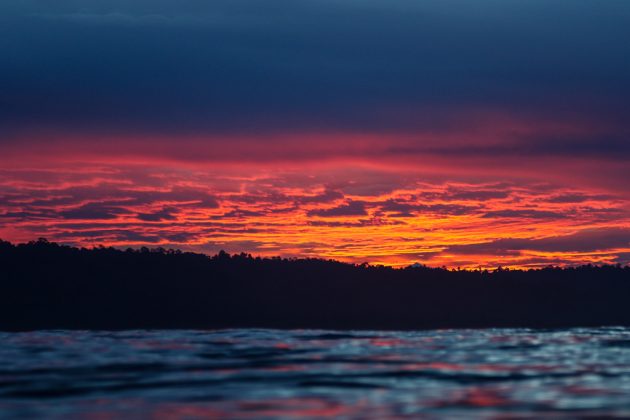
column 322, row 213
column 393, row 131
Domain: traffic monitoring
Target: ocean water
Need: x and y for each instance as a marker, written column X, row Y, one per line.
column 253, row 373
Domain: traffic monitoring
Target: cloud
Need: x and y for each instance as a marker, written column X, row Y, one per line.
column 239, row 213
column 94, row 211
column 354, row 223
column 588, row 240
column 352, row 208
column 104, row 235
column 524, row 214
column 167, row 213
column 578, row 198
column 410, row 209
column 355, row 213
column 476, row 195
column 325, row 197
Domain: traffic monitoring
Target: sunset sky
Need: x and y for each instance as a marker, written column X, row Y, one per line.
column 446, row 132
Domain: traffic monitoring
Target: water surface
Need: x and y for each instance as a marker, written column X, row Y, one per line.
column 252, row 373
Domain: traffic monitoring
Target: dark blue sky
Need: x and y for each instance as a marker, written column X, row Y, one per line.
column 278, row 65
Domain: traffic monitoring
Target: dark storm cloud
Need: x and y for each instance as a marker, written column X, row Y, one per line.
column 242, row 65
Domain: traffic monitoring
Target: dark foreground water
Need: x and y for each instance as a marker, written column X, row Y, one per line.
column 308, row 374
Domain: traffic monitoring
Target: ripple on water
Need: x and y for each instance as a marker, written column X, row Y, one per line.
column 270, row 373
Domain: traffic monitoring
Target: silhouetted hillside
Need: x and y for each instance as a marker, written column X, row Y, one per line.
column 45, row 285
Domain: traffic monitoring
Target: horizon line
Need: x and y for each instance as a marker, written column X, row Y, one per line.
column 222, row 253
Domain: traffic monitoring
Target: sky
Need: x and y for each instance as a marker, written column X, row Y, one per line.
column 445, row 132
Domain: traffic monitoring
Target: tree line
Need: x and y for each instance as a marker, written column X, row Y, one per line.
column 44, row 285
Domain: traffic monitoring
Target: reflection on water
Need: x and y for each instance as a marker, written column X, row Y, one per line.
column 300, row 374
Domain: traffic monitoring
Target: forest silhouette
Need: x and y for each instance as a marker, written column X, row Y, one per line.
column 44, row 285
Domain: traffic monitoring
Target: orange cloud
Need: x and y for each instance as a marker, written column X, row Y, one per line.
column 341, row 211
